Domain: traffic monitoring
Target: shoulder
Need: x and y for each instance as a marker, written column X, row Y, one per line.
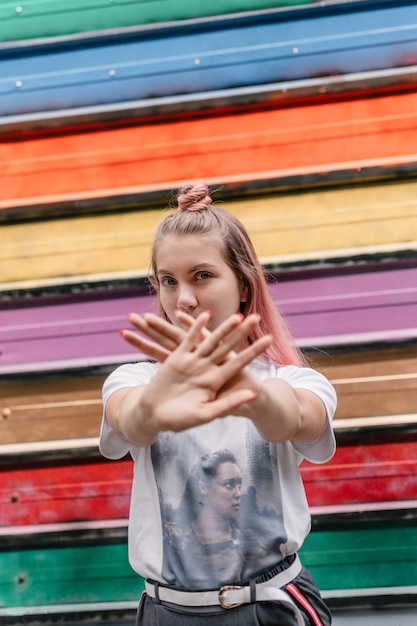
column 299, row 378
column 323, row 448
column 296, row 376
column 302, row 376
column 129, row 375
column 311, row 380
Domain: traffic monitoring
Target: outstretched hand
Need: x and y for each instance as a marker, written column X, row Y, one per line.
column 202, row 375
column 166, row 337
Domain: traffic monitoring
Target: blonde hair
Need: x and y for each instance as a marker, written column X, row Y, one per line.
column 197, row 215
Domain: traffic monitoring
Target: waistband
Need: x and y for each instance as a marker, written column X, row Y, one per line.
column 228, row 596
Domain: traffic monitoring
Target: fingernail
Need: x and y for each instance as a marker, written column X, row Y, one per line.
column 122, row 332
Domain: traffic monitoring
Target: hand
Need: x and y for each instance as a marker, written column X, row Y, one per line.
column 201, row 374
column 167, row 337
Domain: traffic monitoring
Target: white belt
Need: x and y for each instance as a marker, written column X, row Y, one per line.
column 231, row 596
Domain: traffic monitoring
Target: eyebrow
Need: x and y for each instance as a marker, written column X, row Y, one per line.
column 195, row 268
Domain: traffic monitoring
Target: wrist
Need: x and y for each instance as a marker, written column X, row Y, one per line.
column 136, row 418
column 276, row 411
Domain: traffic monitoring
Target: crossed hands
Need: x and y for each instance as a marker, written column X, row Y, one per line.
column 203, row 374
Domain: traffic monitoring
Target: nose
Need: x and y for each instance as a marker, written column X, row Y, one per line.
column 186, row 298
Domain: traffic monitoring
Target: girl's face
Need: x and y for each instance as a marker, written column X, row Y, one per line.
column 194, row 277
column 223, row 494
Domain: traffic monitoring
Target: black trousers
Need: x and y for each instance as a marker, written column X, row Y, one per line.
column 303, row 591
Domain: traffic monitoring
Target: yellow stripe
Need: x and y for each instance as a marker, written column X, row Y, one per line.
column 280, row 226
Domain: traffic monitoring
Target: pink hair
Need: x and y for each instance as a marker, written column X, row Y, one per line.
column 197, row 215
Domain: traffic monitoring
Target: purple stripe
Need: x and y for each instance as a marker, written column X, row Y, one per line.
column 336, row 309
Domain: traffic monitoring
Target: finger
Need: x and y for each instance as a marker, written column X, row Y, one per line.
column 213, row 339
column 228, row 337
column 193, row 335
column 231, row 367
column 184, row 318
column 158, row 324
column 160, row 332
column 234, row 340
column 209, row 411
column 149, row 348
column 227, row 404
column 187, row 321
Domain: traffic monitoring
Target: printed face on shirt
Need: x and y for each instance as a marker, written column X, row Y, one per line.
column 223, row 493
column 194, row 277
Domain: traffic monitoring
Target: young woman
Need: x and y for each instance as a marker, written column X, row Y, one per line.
column 224, row 374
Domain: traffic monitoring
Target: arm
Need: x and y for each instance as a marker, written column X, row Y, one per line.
column 185, row 391
column 124, row 416
column 279, row 411
column 282, row 413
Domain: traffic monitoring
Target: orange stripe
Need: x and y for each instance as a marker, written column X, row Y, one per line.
column 246, row 146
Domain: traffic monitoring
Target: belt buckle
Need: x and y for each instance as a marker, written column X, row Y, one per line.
column 229, row 605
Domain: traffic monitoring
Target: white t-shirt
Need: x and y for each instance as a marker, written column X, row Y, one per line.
column 195, row 523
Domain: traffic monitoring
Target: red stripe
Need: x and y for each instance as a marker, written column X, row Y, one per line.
column 302, row 600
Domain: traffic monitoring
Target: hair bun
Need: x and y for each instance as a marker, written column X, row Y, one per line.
column 194, row 197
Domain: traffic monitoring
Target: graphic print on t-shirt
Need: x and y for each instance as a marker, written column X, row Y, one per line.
column 220, row 503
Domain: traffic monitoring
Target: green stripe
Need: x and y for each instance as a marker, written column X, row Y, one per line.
column 53, row 18
column 363, row 557
column 67, row 576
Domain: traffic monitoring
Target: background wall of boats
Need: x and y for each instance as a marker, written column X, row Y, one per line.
column 304, row 116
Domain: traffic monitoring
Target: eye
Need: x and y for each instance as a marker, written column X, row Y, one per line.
column 203, row 275
column 233, row 483
column 167, row 281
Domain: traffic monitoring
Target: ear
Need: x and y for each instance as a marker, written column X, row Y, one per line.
column 243, row 292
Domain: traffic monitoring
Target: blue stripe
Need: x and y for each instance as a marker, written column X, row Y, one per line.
column 230, row 54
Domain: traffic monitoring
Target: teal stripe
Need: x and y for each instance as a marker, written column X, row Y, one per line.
column 76, row 574
column 349, row 558
column 53, row 18
column 364, row 557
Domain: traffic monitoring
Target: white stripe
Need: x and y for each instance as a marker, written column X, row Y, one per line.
column 48, row 446
column 376, row 420
column 373, row 379
column 12, row 531
column 369, row 592
column 358, row 338
column 69, row 608
column 361, row 507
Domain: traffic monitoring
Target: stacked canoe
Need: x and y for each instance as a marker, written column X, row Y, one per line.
column 304, row 114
